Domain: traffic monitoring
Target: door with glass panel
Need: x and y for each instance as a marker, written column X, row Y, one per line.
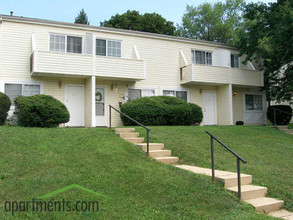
column 101, row 106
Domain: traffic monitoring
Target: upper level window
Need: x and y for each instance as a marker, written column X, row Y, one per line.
column 179, row 94
column 234, row 61
column 111, row 48
column 64, row 43
column 253, row 102
column 201, row 57
column 138, row 93
column 15, row 90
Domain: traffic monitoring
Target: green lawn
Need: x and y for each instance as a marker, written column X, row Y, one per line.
column 34, row 162
column 290, row 126
column 269, row 153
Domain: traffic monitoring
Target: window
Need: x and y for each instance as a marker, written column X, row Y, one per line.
column 15, row 90
column 179, row 94
column 253, row 102
column 201, row 57
column 109, row 48
column 234, row 61
column 64, row 43
column 138, row 93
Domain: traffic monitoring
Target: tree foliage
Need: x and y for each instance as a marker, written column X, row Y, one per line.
column 268, row 37
column 82, row 18
column 219, row 22
column 148, row 22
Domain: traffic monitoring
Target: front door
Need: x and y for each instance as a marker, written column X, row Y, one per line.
column 209, row 109
column 74, row 104
column 101, row 106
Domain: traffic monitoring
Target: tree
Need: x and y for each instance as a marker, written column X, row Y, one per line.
column 148, row 22
column 219, row 22
column 82, row 18
column 268, row 37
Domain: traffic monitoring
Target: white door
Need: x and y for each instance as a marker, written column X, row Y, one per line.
column 209, row 108
column 74, row 104
column 101, row 106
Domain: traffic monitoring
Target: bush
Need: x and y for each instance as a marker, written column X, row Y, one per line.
column 281, row 117
column 161, row 110
column 4, row 107
column 40, row 111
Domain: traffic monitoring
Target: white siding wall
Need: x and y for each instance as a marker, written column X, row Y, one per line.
column 223, row 105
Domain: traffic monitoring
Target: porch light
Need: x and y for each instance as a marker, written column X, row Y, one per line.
column 60, row 84
column 234, row 93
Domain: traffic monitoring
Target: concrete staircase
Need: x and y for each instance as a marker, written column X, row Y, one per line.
column 255, row 195
column 156, row 150
column 285, row 129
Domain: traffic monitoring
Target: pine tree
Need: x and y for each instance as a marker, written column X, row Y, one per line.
column 82, row 18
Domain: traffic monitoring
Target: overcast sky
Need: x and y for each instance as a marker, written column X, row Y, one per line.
column 97, row 10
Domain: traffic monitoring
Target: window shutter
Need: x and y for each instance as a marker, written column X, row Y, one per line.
column 89, row 43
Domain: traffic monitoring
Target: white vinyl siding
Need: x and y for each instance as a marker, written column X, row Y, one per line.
column 111, row 48
column 179, row 94
column 138, row 93
column 15, row 90
column 201, row 57
column 62, row 43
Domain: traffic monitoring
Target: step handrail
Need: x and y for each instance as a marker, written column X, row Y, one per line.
column 140, row 124
column 213, row 137
column 275, row 116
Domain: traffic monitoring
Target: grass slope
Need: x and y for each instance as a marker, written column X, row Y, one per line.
column 269, row 153
column 34, row 162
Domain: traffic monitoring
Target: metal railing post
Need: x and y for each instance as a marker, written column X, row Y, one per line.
column 148, row 150
column 110, row 117
column 239, row 179
column 212, row 158
column 275, row 118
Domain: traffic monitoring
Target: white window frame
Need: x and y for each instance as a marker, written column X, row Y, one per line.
column 107, row 39
column 126, row 92
column 234, row 54
column 263, row 102
column 41, row 84
column 66, row 35
column 176, row 90
column 205, row 57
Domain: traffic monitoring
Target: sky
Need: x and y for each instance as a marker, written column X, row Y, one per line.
column 98, row 10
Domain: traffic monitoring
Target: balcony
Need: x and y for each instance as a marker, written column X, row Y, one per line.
column 203, row 74
column 56, row 64
column 215, row 75
column 245, row 77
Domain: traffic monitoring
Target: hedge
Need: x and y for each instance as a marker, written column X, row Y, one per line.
column 161, row 110
column 281, row 117
column 4, row 107
column 40, row 111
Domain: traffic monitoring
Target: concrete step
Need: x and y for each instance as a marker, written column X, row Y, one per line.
column 265, row 204
column 282, row 127
column 135, row 140
column 282, row 214
column 228, row 178
column 167, row 160
column 160, row 153
column 152, row 146
column 249, row 191
column 129, row 135
column 124, row 130
column 289, row 131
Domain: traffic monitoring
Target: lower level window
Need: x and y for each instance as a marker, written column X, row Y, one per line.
column 179, row 94
column 253, row 102
column 138, row 93
column 15, row 90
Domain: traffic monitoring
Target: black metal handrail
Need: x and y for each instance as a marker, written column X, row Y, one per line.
column 231, row 151
column 140, row 124
column 275, row 116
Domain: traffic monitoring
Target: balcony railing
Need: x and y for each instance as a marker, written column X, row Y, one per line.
column 49, row 63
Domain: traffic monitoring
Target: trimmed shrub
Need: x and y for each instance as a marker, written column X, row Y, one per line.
column 40, row 111
column 4, row 107
column 281, row 117
column 161, row 110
